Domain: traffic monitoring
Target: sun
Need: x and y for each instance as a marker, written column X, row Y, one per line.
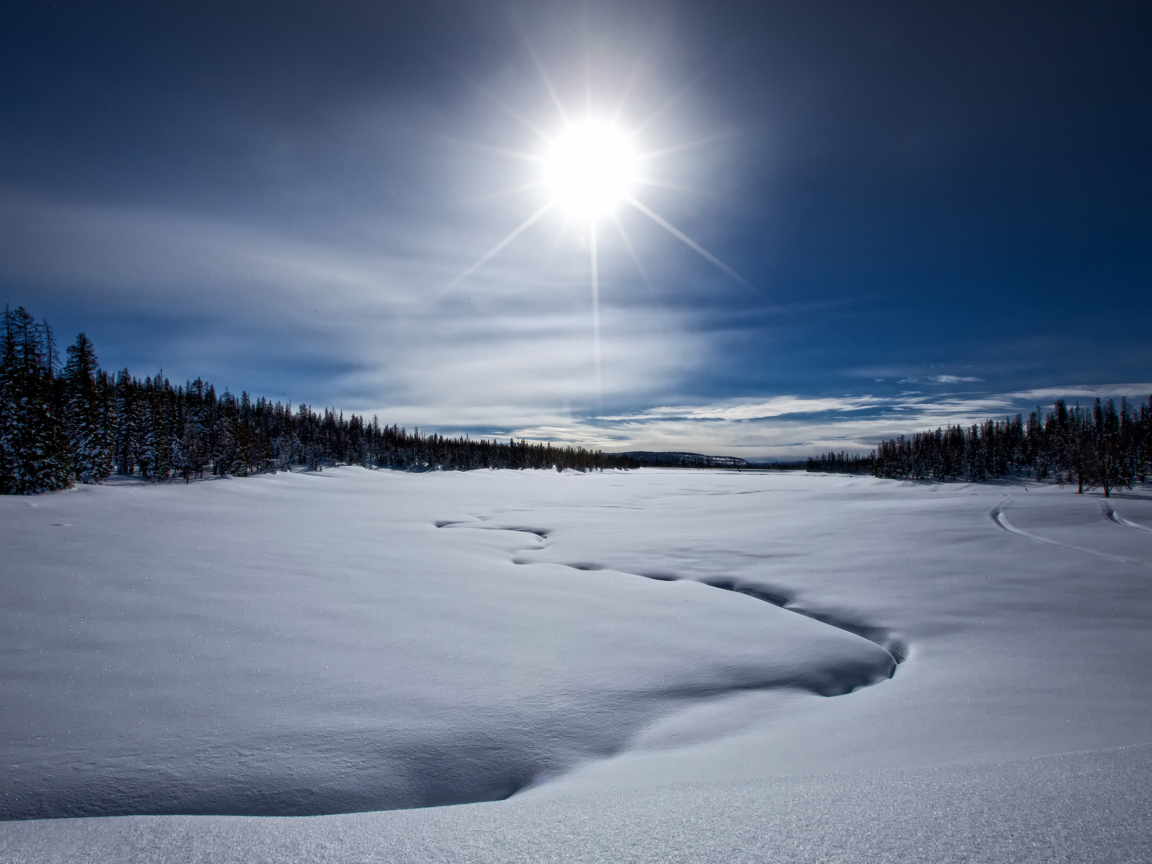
column 590, row 168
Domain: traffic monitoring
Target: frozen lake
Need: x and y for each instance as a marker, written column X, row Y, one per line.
column 612, row 650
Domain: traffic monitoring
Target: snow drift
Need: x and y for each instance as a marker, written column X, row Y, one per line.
column 306, row 644
column 646, row 661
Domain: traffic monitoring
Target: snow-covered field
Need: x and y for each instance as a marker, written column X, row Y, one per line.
column 656, row 665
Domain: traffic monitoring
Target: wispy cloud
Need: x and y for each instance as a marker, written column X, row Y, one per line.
column 1139, row 391
column 241, row 303
column 507, row 354
column 942, row 379
column 751, row 409
column 792, row 426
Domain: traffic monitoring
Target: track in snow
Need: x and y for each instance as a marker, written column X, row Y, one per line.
column 1112, row 516
column 999, row 517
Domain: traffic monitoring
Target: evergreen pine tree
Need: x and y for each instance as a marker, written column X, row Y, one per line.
column 1109, row 467
column 33, row 448
column 157, row 449
column 127, row 443
column 84, row 414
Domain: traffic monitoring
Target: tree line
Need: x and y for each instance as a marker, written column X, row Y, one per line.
column 842, row 463
column 679, row 459
column 1101, row 445
column 74, row 422
column 77, row 423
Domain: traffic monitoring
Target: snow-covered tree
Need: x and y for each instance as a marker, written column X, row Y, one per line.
column 85, row 414
column 127, row 434
column 33, row 449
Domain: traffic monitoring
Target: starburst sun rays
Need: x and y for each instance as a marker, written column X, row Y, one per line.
column 591, row 168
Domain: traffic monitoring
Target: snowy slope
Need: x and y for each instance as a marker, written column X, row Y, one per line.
column 1073, row 808
column 353, row 640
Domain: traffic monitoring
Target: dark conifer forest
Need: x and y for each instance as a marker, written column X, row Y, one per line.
column 73, row 422
column 1100, row 446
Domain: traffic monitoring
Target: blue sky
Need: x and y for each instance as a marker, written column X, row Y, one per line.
column 939, row 211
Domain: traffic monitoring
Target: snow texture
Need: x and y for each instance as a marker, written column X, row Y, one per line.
column 665, row 665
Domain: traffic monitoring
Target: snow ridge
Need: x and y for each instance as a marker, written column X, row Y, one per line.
column 894, row 645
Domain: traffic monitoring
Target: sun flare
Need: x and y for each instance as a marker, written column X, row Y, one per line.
column 590, row 169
